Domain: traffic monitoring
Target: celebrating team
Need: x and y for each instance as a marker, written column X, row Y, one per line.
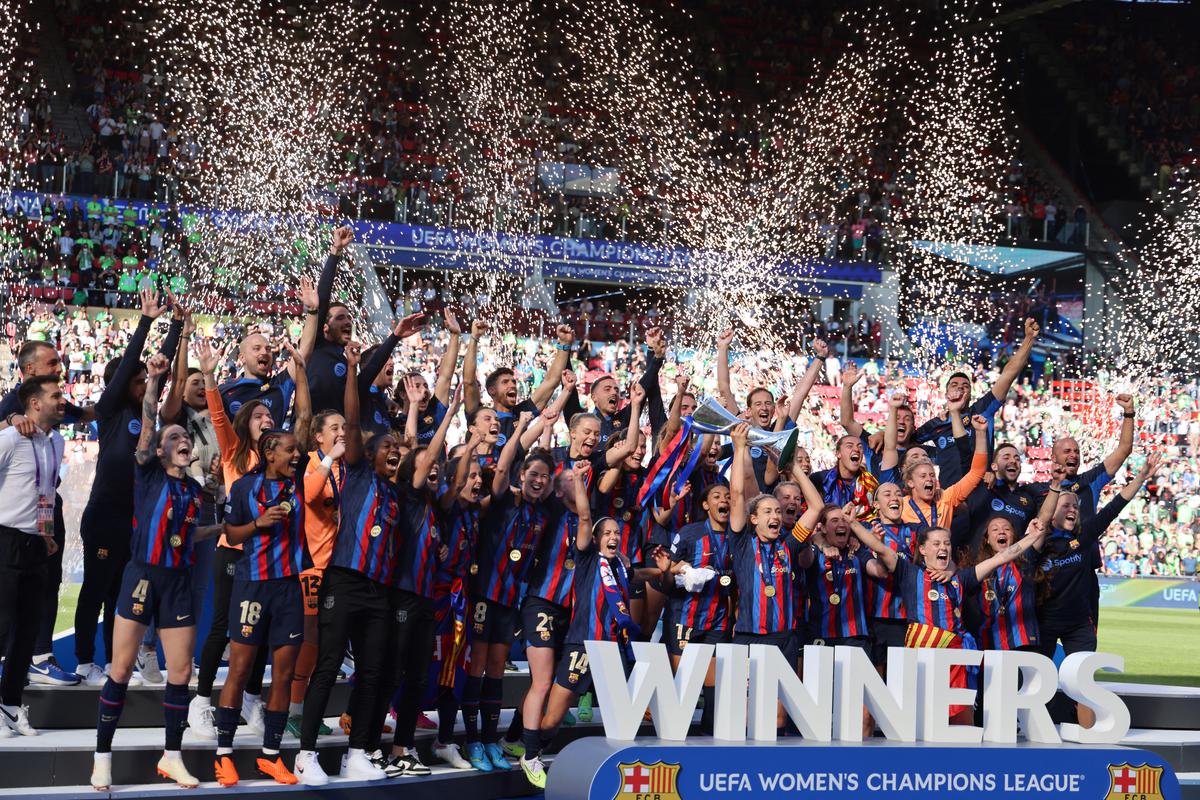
column 349, row 523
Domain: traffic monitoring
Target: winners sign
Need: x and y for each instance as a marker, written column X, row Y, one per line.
column 921, row 756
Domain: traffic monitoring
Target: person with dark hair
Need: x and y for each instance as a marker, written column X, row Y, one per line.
column 501, row 383
column 431, row 407
column 1003, row 611
column 265, row 514
column 239, row 447
column 378, row 374
column 156, row 585
column 1004, row 497
column 28, row 481
column 414, row 627
column 1066, row 613
column 107, row 523
column 40, row 359
column 510, row 532
column 354, row 596
column 937, row 431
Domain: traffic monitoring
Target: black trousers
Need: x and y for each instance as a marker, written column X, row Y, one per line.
column 224, row 564
column 413, row 629
column 45, row 638
column 353, row 609
column 23, row 561
column 106, row 537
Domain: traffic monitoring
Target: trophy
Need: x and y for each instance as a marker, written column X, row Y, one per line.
column 712, row 417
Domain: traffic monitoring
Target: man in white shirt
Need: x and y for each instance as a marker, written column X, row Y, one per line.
column 28, row 480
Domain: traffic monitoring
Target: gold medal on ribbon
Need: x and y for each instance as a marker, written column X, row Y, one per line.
column 835, row 599
column 569, row 564
column 726, row 580
column 932, row 594
column 176, row 540
column 829, row 576
column 628, row 515
column 619, row 502
column 375, row 531
column 515, row 555
column 286, row 506
column 989, row 595
column 170, row 513
column 957, row 613
column 474, row 569
column 266, row 387
column 769, row 591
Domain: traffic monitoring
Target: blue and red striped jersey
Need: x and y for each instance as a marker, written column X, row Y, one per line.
column 931, row 603
column 837, row 594
column 368, row 526
column 621, row 504
column 765, row 575
column 164, row 516
column 460, row 533
column 699, row 545
column 419, row 540
column 592, row 616
column 509, row 534
column 277, row 551
column 551, row 576
column 1007, row 598
column 887, row 602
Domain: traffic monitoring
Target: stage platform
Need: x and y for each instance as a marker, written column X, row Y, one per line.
column 1166, row 721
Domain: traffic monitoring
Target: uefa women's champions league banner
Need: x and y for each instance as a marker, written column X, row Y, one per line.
column 1181, row 593
column 923, row 757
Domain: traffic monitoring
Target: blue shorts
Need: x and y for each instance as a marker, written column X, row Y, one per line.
column 786, row 641
column 162, row 595
column 544, row 624
column 493, row 623
column 270, row 611
column 677, row 636
column 574, row 673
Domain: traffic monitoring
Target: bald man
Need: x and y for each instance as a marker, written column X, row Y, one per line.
column 256, row 381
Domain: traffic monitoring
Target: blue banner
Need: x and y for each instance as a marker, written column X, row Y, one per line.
column 560, row 258
column 601, row 769
column 1181, row 593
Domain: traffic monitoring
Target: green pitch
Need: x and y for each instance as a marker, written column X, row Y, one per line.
column 1159, row 645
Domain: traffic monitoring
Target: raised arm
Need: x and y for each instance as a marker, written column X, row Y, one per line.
column 463, row 469
column 737, row 477
column 562, row 356
column 675, row 417
column 508, row 454
column 471, row 397
column 429, row 456
column 227, row 439
column 957, row 493
column 170, row 343
column 583, row 508
column 350, row 405
column 114, row 393
column 954, row 411
column 303, row 401
column 172, row 405
column 813, row 500
column 886, row 555
column 724, row 388
column 1050, row 501
column 156, row 369
column 445, row 374
column 1114, row 460
column 312, row 326
column 1034, row 535
column 811, row 375
column 341, row 240
column 891, row 455
column 1012, row 370
column 615, row 455
column 657, row 345
column 850, row 376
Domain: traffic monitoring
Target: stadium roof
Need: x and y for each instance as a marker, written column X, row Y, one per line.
column 1004, row 261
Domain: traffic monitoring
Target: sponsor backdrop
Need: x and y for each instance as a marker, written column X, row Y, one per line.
column 1150, row 593
column 602, row 769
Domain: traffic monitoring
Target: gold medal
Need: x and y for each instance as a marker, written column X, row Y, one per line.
column 176, row 540
column 375, row 531
column 569, row 564
column 474, row 569
column 428, row 420
column 515, row 555
column 286, row 506
column 1000, row 611
column 725, row 580
column 266, row 387
column 957, row 613
column 829, row 576
column 989, row 595
column 170, row 513
column 769, row 591
column 835, row 599
column 628, row 515
column 932, row 594
column 619, row 502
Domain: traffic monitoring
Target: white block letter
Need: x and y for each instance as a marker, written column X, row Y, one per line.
column 893, row 704
column 933, row 712
column 671, row 701
column 733, row 673
column 1003, row 703
column 1078, row 679
column 809, row 702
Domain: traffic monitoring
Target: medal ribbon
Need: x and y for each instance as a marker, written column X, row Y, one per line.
column 932, row 513
column 335, row 485
column 615, row 583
